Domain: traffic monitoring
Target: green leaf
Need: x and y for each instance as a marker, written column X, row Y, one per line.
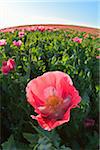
column 22, row 146
column 10, row 144
column 86, row 97
column 30, row 137
column 44, row 144
column 63, row 147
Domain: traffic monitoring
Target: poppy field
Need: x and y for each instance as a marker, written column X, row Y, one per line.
column 49, row 89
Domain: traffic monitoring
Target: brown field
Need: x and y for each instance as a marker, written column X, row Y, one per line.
column 58, row 26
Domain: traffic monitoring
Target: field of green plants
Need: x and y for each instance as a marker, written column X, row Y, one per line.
column 25, row 55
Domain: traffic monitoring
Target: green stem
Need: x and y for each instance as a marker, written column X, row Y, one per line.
column 39, row 131
column 36, row 146
column 43, row 134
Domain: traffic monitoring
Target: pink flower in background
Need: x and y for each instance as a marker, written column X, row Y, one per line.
column 98, row 49
column 3, row 42
column 7, row 66
column 53, row 96
column 41, row 28
column 89, row 122
column 17, row 43
column 21, row 34
column 5, row 69
column 11, row 63
column 33, row 28
column 98, row 57
column 4, row 63
column 78, row 40
column 49, row 28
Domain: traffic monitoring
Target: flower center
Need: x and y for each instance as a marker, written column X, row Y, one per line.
column 55, row 107
column 53, row 101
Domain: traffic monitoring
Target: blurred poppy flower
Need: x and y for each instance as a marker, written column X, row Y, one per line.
column 41, row 28
column 4, row 63
column 21, row 34
column 89, row 122
column 3, row 42
column 11, row 63
column 7, row 66
column 98, row 49
column 5, row 69
column 98, row 57
column 49, row 28
column 78, row 40
column 53, row 96
column 17, row 43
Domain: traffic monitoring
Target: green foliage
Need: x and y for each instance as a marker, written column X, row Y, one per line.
column 12, row 145
column 39, row 53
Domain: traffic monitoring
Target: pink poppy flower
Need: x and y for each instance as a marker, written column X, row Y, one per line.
column 4, row 63
column 28, row 29
column 53, row 96
column 21, row 34
column 89, row 122
column 78, row 40
column 98, row 49
column 7, row 66
column 33, row 29
column 11, row 63
column 98, row 57
column 49, row 29
column 41, row 28
column 3, row 42
column 5, row 69
column 17, row 43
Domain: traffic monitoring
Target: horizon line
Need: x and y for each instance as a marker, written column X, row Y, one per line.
column 56, row 24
